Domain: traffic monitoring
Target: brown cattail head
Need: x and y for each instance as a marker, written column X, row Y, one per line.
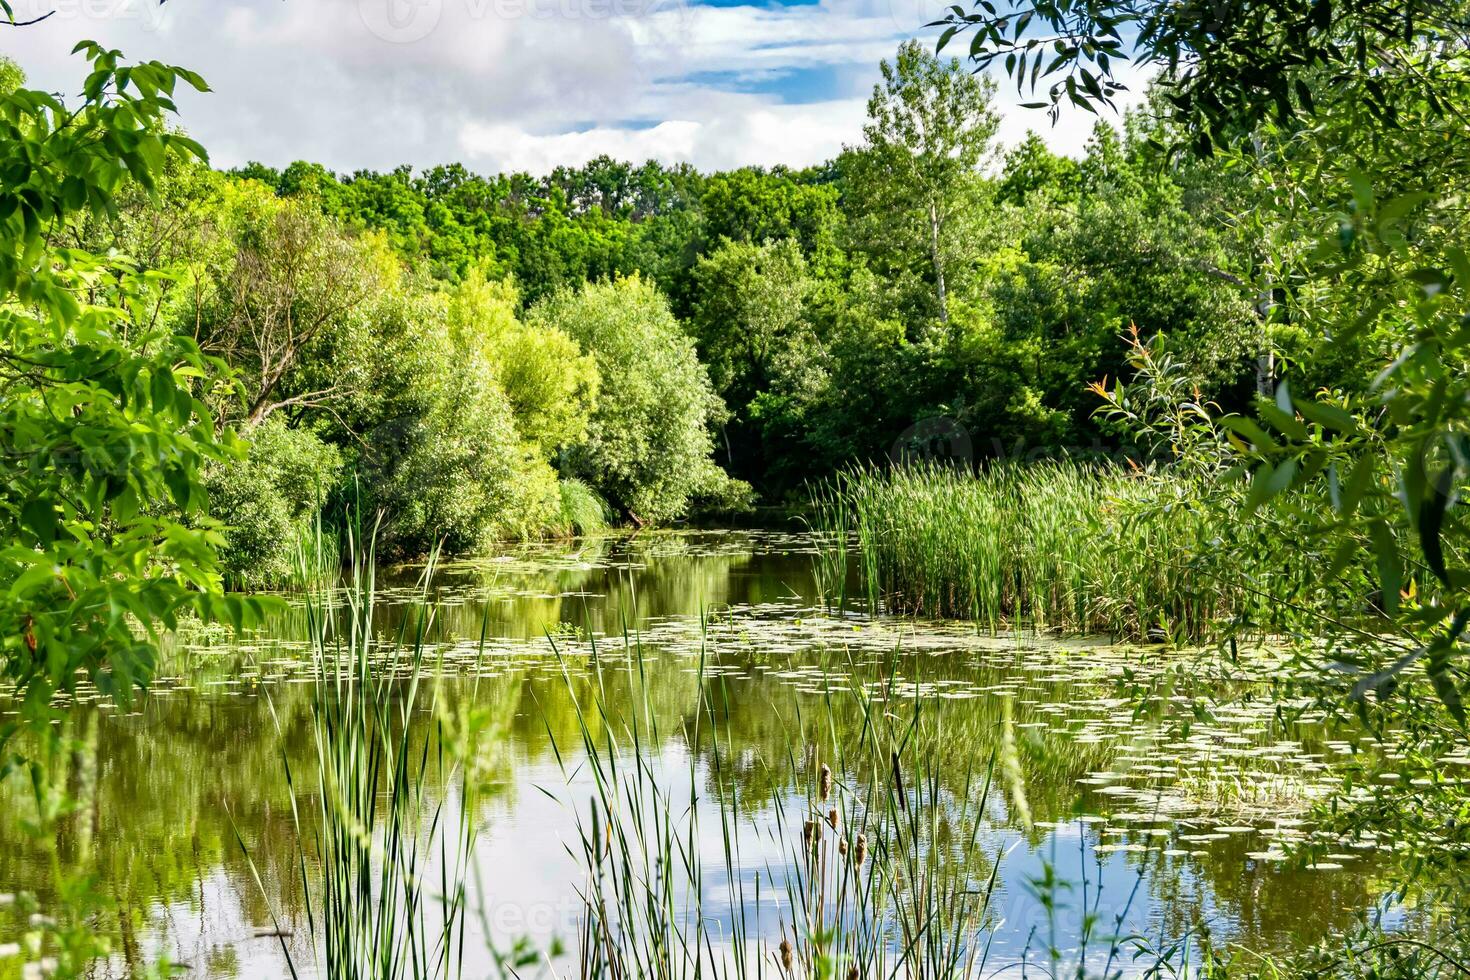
column 852, row 972
column 824, row 782
column 862, row 849
column 842, row 847
column 786, row 955
column 808, row 832
column 832, row 818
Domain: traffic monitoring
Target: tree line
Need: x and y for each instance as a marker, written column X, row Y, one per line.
column 475, row 356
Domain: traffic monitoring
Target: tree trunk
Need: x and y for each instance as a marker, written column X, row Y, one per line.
column 938, row 265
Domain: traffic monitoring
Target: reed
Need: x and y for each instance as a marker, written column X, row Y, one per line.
column 868, row 862
column 1061, row 545
column 583, row 511
column 382, row 864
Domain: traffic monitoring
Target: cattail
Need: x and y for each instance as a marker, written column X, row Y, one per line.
column 842, row 847
column 862, row 849
column 808, row 832
column 824, row 782
column 852, row 972
column 786, row 955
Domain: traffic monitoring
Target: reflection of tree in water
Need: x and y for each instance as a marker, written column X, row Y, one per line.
column 602, row 584
column 1250, row 902
column 174, row 782
column 159, row 790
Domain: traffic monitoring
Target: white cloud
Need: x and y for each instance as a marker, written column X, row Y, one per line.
column 796, row 135
column 505, row 83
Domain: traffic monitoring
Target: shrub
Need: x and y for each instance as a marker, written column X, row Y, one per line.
column 269, row 499
column 443, row 460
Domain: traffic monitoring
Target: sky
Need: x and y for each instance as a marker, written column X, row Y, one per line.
column 502, row 85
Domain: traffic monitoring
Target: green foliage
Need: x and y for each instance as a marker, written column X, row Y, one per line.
column 267, row 503
column 1247, row 64
column 105, row 426
column 649, row 443
column 551, row 385
column 11, row 76
column 753, row 206
column 752, row 326
column 839, row 306
column 1032, row 168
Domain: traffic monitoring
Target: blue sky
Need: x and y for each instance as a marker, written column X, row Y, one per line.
column 511, row 84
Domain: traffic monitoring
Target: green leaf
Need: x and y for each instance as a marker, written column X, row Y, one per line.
column 1244, row 426
column 1362, row 190
column 1284, row 422
column 39, row 515
column 162, row 387
column 1269, row 481
column 1327, row 415
column 1432, row 509
column 1390, row 567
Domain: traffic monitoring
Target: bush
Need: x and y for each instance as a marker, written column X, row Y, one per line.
column 269, row 499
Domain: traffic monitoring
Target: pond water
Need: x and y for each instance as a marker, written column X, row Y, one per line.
column 1175, row 814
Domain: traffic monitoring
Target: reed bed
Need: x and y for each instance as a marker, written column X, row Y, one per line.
column 1081, row 548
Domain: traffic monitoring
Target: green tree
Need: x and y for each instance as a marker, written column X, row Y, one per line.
column 551, row 385
column 289, row 287
column 749, row 321
column 1031, row 168
column 649, row 444
column 752, row 206
column 913, row 185
column 438, row 453
column 103, row 418
column 267, row 503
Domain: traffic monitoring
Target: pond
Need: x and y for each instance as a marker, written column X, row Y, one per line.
column 1159, row 813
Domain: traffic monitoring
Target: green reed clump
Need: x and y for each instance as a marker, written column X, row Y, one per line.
column 1060, row 544
column 583, row 511
column 382, row 863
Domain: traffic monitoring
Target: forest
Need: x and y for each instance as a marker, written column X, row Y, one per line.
column 906, row 519
column 481, row 358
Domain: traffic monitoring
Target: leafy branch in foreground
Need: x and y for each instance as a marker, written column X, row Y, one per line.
column 103, row 433
column 1230, row 65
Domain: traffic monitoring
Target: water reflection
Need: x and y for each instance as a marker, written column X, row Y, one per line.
column 725, row 624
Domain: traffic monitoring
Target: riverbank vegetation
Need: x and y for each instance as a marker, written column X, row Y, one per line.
column 1059, row 546
column 447, row 348
column 1209, row 382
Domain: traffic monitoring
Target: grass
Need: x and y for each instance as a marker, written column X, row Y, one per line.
column 1088, row 549
column 583, row 511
